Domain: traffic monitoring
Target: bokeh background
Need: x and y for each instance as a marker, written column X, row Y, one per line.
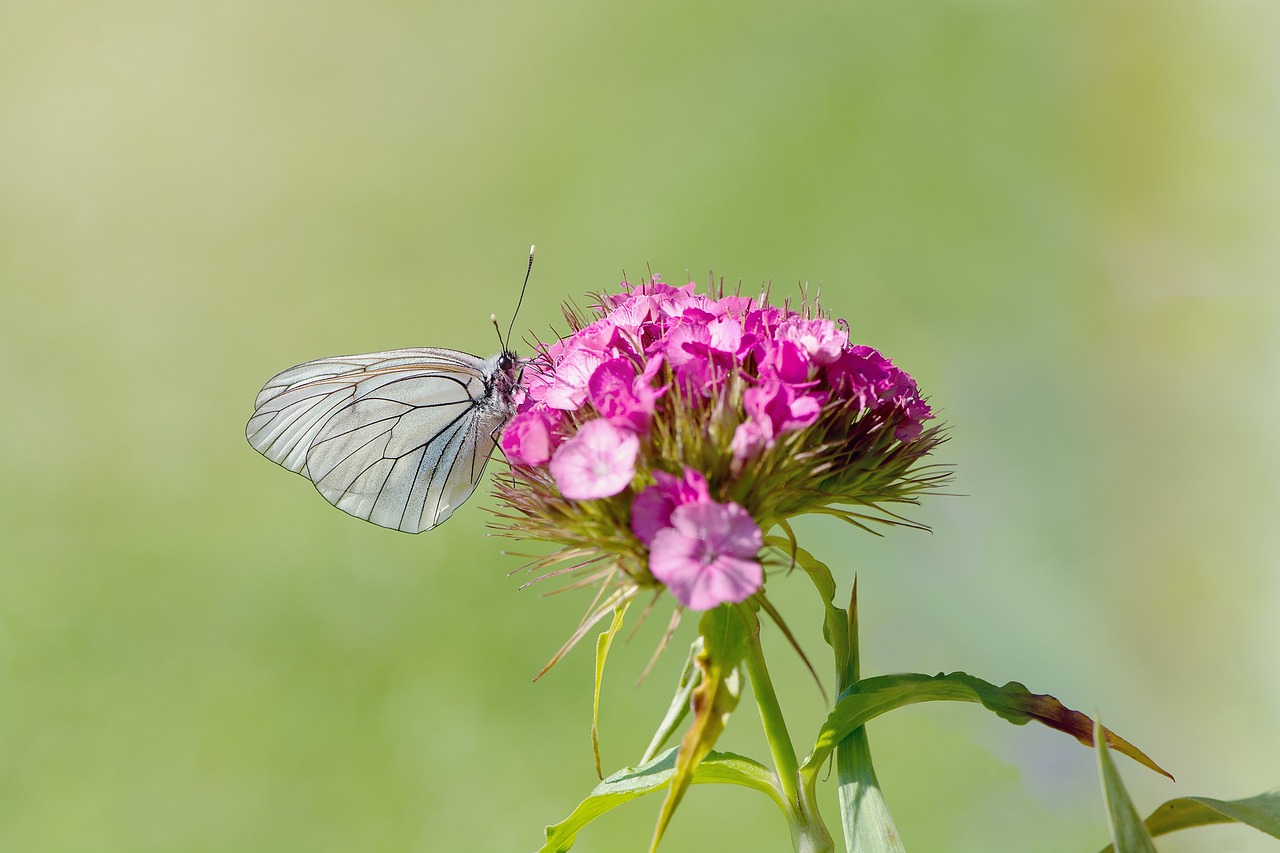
column 1060, row 216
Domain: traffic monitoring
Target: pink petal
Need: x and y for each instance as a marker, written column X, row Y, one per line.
column 527, row 439
column 651, row 510
column 749, row 439
column 599, row 461
column 708, row 557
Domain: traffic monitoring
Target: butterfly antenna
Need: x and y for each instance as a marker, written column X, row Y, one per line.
column 520, row 301
column 493, row 318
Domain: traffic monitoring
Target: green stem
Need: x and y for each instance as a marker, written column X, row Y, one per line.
column 775, row 727
column 808, row 833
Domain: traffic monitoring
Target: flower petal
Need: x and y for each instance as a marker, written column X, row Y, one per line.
column 599, row 461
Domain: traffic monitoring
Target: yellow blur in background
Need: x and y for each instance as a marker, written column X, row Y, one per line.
column 1060, row 217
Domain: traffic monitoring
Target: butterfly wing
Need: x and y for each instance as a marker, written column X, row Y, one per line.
column 399, row 438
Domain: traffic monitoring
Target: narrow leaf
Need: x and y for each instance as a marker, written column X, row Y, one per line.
column 1127, row 832
column 724, row 638
column 1261, row 812
column 868, row 826
column 672, row 624
column 871, row 697
column 767, row 606
column 632, row 782
column 603, row 642
column 619, row 597
column 835, row 628
column 679, row 707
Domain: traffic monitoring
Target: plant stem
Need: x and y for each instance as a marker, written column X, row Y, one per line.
column 808, row 833
column 775, row 727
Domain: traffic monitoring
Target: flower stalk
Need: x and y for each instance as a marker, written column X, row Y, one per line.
column 783, row 751
column 808, row 832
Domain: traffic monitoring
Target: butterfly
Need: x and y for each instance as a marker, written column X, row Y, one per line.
column 399, row 438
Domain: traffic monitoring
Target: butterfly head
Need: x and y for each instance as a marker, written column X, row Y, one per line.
column 504, row 380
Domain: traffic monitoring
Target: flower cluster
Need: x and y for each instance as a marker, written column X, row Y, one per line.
column 671, row 427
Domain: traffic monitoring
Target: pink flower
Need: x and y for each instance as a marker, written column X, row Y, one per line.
column 909, row 430
column 686, row 341
column 914, row 410
column 574, row 364
column 708, row 556
column 862, row 374
column 651, row 510
column 622, row 397
column 597, row 462
column 661, row 298
column 783, row 360
column 655, row 375
column 735, row 307
column 763, row 322
column 779, row 407
column 749, row 441
column 726, row 334
column 703, row 378
column 773, row 408
column 822, row 339
column 528, row 438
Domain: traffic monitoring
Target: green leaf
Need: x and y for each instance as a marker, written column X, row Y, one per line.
column 724, row 644
column 629, row 783
column 1261, row 812
column 1127, row 832
column 679, row 707
column 603, row 642
column 865, row 818
column 871, row 697
column 868, row 826
column 594, row 614
column 835, row 628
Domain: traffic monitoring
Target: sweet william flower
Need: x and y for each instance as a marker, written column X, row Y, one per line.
column 598, row 462
column 665, row 433
column 623, row 397
column 783, row 360
column 528, row 438
column 685, row 421
column 709, row 555
column 820, row 338
column 773, row 408
column 568, row 390
column 652, row 508
column 782, row 406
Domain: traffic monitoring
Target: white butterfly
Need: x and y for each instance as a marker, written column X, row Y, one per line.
column 399, row 438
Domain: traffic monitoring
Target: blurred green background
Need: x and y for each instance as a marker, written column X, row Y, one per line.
column 1061, row 217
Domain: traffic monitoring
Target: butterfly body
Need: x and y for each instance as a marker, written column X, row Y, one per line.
column 399, row 438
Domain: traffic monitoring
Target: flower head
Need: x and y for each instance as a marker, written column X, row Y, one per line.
column 681, row 425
